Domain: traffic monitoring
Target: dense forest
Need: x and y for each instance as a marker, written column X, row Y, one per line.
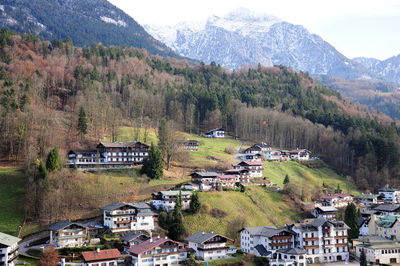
column 44, row 85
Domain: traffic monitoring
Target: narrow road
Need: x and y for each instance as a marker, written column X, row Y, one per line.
column 237, row 155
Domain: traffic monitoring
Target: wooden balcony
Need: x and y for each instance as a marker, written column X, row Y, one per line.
column 311, row 247
column 326, row 230
column 281, row 244
column 341, row 245
column 340, row 237
column 120, row 228
column 125, row 221
column 311, row 239
column 281, row 237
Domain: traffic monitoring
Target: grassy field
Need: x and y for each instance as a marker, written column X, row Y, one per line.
column 257, row 206
column 11, row 200
column 302, row 175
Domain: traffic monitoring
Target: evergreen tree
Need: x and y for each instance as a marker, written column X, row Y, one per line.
column 195, row 204
column 363, row 258
column 163, row 136
column 53, row 160
column 42, row 170
column 351, row 219
column 82, row 122
column 153, row 165
column 286, row 180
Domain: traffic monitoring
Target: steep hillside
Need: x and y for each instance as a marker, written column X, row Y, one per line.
column 244, row 38
column 388, row 68
column 85, row 22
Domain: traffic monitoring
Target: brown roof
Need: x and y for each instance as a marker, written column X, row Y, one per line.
column 105, row 254
column 150, row 244
column 251, row 163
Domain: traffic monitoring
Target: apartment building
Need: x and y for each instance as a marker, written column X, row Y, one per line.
column 166, row 200
column 8, row 249
column 68, row 234
column 208, row 246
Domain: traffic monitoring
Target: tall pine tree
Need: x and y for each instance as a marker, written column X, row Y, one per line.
column 53, row 160
column 195, row 204
column 351, row 219
column 153, row 165
column 82, row 122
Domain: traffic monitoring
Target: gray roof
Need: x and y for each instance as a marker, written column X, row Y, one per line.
column 292, row 251
column 61, row 225
column 131, row 236
column 201, row 237
column 367, row 196
column 267, row 231
column 8, row 240
column 388, row 207
column 145, row 212
column 140, row 205
column 175, row 193
column 327, row 209
column 262, row 251
column 313, row 224
column 207, row 174
column 115, row 206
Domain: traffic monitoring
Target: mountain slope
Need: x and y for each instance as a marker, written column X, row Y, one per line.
column 84, row 21
column 242, row 37
column 389, row 68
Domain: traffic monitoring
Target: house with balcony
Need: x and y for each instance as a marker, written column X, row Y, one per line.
column 390, row 195
column 208, row 246
column 227, row 181
column 289, row 257
column 8, row 249
column 159, row 251
column 387, row 226
column 323, row 240
column 68, row 234
column 266, row 240
column 300, row 154
column 216, row 133
column 105, row 257
column 121, row 217
column 378, row 251
column 337, row 200
column 368, row 199
column 132, row 239
column 187, row 145
column 166, row 200
column 255, row 168
column 242, row 175
column 325, row 212
column 205, row 180
column 387, row 209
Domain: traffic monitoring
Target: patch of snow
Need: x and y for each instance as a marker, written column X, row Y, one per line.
column 112, row 21
column 2, row 7
column 346, row 63
column 11, row 21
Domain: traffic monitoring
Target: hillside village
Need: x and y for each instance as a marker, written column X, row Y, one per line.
column 145, row 237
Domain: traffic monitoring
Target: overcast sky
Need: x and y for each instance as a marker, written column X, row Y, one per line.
column 368, row 28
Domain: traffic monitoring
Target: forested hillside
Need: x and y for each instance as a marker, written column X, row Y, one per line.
column 43, row 86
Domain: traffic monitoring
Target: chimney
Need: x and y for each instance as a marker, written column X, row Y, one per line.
column 98, row 250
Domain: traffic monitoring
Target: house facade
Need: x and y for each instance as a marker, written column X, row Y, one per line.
column 166, row 200
column 68, row 234
column 300, row 154
column 106, row 257
column 8, row 249
column 205, row 180
column 289, row 257
column 242, row 175
column 387, row 209
column 387, row 226
column 227, row 181
column 121, row 217
column 380, row 252
column 323, row 240
column 390, row 195
column 216, row 133
column 159, row 251
column 188, row 145
column 337, row 200
column 208, row 246
column 133, row 239
column 368, row 199
column 255, row 168
column 325, row 212
column 109, row 155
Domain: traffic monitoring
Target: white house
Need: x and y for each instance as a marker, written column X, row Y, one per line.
column 368, row 199
column 208, row 246
column 289, row 257
column 216, row 133
column 325, row 212
column 120, row 217
column 8, row 249
column 387, row 209
column 105, row 257
column 390, row 194
column 337, row 200
column 133, row 239
column 68, row 234
column 300, row 154
column 255, row 168
column 166, row 200
column 380, row 251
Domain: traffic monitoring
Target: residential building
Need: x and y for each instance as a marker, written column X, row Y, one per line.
column 227, row 181
column 323, row 240
column 386, row 209
column 325, row 212
column 132, row 239
column 166, row 200
column 387, row 226
column 120, row 217
column 8, row 249
column 379, row 251
column 159, row 251
column 255, row 168
column 289, row 257
column 368, row 199
column 242, row 174
column 105, row 257
column 109, row 155
column 205, row 180
column 300, row 154
column 188, row 145
column 278, row 155
column 263, row 241
column 253, row 150
column 68, row 234
column 391, row 195
column 337, row 200
column 216, row 133
column 364, row 225
column 253, row 157
column 208, row 246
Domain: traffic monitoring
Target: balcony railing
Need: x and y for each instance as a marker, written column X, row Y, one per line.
column 341, row 245
column 281, row 244
column 311, row 247
column 125, row 221
column 281, row 237
column 340, row 237
column 311, row 239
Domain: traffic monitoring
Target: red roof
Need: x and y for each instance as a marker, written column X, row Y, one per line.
column 336, row 195
column 150, row 244
column 105, row 254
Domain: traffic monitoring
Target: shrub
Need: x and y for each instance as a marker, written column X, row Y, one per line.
column 230, row 150
column 217, row 213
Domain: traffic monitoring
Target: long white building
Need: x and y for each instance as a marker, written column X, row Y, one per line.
column 8, row 249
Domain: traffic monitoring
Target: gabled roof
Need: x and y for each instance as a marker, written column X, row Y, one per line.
column 336, row 195
column 132, row 236
column 174, row 193
column 387, row 221
column 102, row 255
column 150, row 244
column 115, row 206
column 313, row 224
column 267, row 231
column 262, row 251
column 113, row 144
column 227, row 177
column 8, row 240
column 250, row 163
column 140, row 205
column 388, row 208
column 205, row 174
column 201, row 237
column 215, row 129
column 327, row 209
column 367, row 196
column 292, row 251
column 63, row 224
column 82, row 151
